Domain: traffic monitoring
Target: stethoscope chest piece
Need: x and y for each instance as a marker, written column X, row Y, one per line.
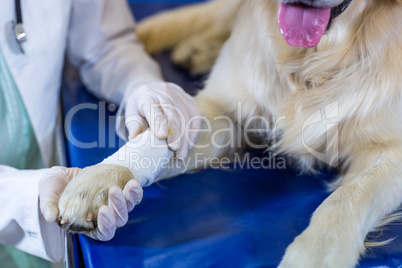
column 17, row 28
column 19, row 34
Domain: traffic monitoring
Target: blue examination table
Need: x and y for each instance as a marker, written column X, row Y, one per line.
column 241, row 217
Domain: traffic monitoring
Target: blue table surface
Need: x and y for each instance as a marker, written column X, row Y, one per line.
column 228, row 218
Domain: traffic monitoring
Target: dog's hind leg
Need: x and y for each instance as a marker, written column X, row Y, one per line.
column 198, row 53
column 167, row 29
column 370, row 190
column 196, row 33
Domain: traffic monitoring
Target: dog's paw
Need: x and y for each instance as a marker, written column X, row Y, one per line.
column 197, row 54
column 150, row 33
column 320, row 251
column 87, row 192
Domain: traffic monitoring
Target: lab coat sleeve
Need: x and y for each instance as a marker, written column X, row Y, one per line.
column 102, row 44
column 21, row 224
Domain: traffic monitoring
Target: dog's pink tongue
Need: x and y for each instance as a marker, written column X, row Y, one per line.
column 302, row 26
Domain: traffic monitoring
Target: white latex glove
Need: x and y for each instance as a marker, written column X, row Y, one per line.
column 168, row 111
column 55, row 180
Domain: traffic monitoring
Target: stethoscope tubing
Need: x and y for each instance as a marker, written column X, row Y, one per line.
column 18, row 12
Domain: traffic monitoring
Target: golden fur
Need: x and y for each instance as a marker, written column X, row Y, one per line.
column 353, row 77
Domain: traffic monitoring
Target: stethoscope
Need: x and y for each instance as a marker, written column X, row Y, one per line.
column 17, row 26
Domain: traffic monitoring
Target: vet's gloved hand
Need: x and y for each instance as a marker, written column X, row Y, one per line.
column 51, row 186
column 167, row 110
column 115, row 215
column 111, row 217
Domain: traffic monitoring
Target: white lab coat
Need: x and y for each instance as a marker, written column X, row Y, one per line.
column 98, row 36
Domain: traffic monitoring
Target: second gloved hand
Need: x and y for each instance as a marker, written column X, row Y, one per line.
column 109, row 218
column 170, row 112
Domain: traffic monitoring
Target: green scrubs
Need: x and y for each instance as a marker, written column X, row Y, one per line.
column 19, row 149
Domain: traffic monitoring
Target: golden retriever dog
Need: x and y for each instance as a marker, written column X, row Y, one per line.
column 327, row 75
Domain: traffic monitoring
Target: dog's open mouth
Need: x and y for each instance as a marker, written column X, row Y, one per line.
column 303, row 25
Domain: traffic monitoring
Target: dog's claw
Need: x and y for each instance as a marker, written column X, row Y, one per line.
column 64, row 221
column 90, row 216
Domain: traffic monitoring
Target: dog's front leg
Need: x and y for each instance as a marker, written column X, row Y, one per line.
column 146, row 163
column 336, row 234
